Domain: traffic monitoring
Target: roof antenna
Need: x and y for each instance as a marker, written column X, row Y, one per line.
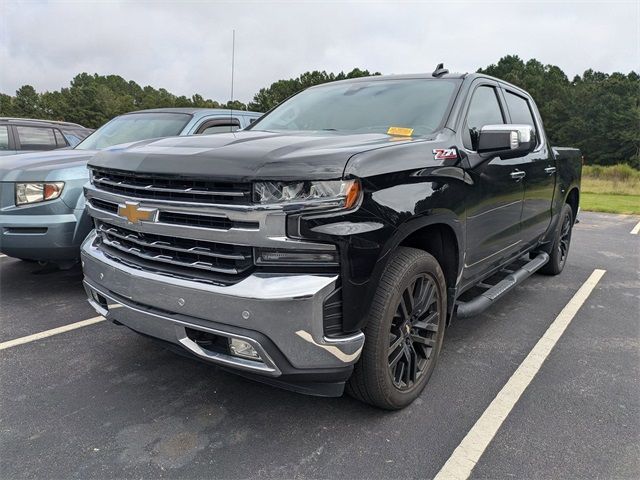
column 440, row 70
column 233, row 61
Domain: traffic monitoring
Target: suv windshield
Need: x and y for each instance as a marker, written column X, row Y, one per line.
column 416, row 106
column 134, row 127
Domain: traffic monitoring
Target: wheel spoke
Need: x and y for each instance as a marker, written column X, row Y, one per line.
column 399, row 373
column 426, row 297
column 413, row 362
column 426, row 350
column 428, row 323
column 407, row 301
column 429, row 342
column 396, row 358
column 418, row 291
column 566, row 227
column 396, row 343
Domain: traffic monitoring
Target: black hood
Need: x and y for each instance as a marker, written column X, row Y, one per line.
column 248, row 155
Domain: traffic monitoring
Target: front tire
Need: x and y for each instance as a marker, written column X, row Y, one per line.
column 404, row 332
column 561, row 242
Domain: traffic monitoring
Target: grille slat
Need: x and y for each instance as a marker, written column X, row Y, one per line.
column 151, row 187
column 186, row 219
column 137, row 239
column 179, row 252
column 168, row 187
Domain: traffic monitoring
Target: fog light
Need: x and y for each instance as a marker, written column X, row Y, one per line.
column 269, row 256
column 240, row 348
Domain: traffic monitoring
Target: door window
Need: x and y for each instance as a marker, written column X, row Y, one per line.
column 484, row 109
column 219, row 129
column 4, row 138
column 36, row 138
column 60, row 139
column 218, row 125
column 520, row 110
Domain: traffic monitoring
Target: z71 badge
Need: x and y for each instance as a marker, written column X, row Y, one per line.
column 445, row 153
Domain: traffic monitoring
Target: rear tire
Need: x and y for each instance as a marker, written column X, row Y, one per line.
column 404, row 332
column 561, row 242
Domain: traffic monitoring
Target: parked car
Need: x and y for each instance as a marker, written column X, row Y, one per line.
column 42, row 215
column 332, row 241
column 23, row 135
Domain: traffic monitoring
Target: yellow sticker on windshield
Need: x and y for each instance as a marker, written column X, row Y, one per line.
column 404, row 132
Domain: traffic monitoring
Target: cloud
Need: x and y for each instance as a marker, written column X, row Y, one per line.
column 185, row 46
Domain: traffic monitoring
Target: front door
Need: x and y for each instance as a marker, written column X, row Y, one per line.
column 495, row 204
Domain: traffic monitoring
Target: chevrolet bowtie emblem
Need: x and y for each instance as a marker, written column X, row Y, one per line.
column 134, row 213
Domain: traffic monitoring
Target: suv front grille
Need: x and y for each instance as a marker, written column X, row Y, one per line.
column 168, row 187
column 186, row 219
column 171, row 252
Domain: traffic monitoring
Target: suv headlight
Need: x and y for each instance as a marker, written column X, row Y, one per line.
column 37, row 192
column 327, row 193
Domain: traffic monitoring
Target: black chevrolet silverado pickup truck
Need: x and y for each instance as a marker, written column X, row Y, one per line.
column 330, row 243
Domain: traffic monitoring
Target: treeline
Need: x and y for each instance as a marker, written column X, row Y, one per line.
column 91, row 100
column 596, row 112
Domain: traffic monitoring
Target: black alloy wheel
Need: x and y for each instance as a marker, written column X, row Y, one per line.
column 412, row 336
column 404, row 331
column 558, row 250
column 565, row 238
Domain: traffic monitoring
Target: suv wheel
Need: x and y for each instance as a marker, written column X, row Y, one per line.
column 561, row 242
column 404, row 333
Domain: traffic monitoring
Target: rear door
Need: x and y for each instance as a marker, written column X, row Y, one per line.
column 539, row 167
column 494, row 205
column 35, row 138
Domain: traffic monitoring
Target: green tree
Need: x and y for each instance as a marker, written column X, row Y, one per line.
column 27, row 102
column 269, row 97
column 6, row 105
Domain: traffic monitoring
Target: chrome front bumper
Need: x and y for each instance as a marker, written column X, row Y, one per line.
column 281, row 311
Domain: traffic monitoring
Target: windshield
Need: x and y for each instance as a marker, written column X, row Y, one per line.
column 411, row 107
column 134, row 127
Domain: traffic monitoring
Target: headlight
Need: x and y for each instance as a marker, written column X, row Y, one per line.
column 330, row 193
column 37, row 192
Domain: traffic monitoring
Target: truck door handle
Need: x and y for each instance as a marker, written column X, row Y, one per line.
column 550, row 170
column 518, row 175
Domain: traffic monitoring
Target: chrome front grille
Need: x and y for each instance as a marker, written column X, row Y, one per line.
column 172, row 252
column 190, row 234
column 169, row 187
column 186, row 219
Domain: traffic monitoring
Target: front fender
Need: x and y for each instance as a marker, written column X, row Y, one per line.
column 358, row 297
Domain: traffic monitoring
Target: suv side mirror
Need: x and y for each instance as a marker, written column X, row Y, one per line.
column 507, row 140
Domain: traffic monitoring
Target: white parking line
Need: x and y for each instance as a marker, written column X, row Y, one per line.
column 49, row 333
column 636, row 229
column 473, row 445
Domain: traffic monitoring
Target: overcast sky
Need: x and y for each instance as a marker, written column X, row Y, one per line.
column 185, row 46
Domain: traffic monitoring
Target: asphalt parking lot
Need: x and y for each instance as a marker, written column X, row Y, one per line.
column 102, row 402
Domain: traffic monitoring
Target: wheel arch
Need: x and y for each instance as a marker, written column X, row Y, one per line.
column 440, row 234
column 573, row 199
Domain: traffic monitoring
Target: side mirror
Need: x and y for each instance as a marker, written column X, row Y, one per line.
column 507, row 140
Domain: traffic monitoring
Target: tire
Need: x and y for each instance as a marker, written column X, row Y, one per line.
column 561, row 243
column 405, row 327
